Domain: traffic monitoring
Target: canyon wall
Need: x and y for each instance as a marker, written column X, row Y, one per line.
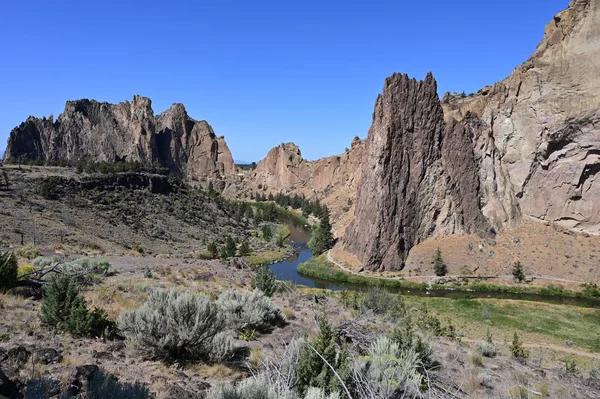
column 99, row 131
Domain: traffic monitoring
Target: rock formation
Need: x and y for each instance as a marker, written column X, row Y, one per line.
column 90, row 130
column 333, row 179
column 419, row 176
column 529, row 145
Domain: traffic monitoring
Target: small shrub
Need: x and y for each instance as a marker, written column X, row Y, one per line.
column 24, row 271
column 247, row 334
column 213, row 250
column 517, row 350
column 103, row 385
column 8, row 270
column 543, row 389
column 28, row 252
column 312, row 371
column 251, row 388
column 248, row 310
column 571, row 366
column 177, row 326
column 486, row 349
column 475, row 359
column 264, row 280
column 255, row 358
column 386, row 367
column 485, row 380
column 266, row 232
column 230, row 247
column 289, row 314
column 379, row 300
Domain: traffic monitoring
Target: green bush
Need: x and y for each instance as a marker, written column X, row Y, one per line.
column 244, row 249
column 264, row 280
column 407, row 339
column 175, row 326
column 266, row 232
column 517, row 350
column 8, row 270
column 65, row 309
column 485, row 348
column 312, row 371
column 321, row 239
column 249, row 310
column 61, row 297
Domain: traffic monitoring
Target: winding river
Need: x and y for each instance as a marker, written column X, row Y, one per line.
column 287, row 270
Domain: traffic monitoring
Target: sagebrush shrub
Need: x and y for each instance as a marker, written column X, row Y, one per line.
column 486, row 349
column 172, row 325
column 387, row 371
column 84, row 270
column 8, row 270
column 264, row 280
column 103, row 385
column 249, row 310
column 251, row 388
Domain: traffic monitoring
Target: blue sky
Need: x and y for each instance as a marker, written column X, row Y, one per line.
column 260, row 72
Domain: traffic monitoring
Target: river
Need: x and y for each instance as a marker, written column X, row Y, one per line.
column 287, row 270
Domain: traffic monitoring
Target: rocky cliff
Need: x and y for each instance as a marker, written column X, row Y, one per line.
column 527, row 146
column 95, row 131
column 332, row 179
column 419, row 176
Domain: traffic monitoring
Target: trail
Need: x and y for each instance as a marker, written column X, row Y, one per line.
column 331, row 259
column 560, row 348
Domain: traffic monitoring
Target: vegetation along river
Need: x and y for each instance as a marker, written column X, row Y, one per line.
column 287, row 270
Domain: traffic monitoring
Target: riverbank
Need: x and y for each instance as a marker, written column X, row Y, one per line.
column 320, row 268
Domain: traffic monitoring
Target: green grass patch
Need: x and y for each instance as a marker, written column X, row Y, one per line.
column 319, row 267
column 503, row 317
column 267, row 257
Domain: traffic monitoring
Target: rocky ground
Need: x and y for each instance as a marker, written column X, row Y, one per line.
column 29, row 349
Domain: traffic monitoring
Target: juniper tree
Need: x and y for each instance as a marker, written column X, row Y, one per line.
column 518, row 272
column 230, row 247
column 244, row 249
column 439, row 267
column 322, row 238
column 313, row 371
column 8, row 270
column 264, row 280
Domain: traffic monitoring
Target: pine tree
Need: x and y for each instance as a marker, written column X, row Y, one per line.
column 322, row 237
column 244, row 249
column 264, row 280
column 60, row 297
column 439, row 265
column 266, row 232
column 517, row 350
column 518, row 272
column 230, row 247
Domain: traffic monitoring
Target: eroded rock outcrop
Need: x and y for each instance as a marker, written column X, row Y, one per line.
column 95, row 131
column 419, row 176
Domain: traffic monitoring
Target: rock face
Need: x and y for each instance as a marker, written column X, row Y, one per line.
column 90, row 130
column 540, row 139
column 528, row 146
column 333, row 179
column 419, row 176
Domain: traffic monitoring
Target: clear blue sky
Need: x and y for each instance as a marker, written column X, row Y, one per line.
column 260, row 72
